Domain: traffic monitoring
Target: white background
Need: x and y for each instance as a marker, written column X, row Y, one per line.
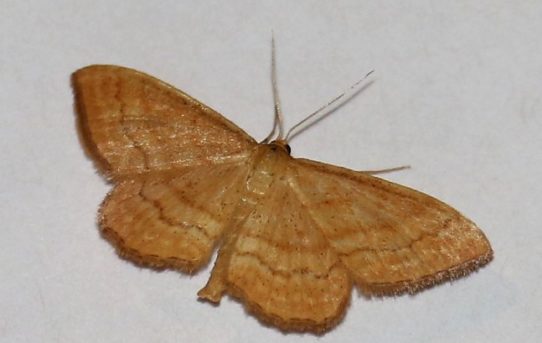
column 457, row 95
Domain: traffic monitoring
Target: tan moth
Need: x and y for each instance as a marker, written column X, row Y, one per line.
column 294, row 235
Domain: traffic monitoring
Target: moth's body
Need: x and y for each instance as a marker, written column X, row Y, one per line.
column 293, row 235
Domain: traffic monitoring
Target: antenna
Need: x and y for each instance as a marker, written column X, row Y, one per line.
column 278, row 121
column 326, row 109
column 316, row 116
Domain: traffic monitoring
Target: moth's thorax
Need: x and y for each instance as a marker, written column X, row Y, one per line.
column 269, row 164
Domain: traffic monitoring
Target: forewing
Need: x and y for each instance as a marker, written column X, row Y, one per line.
column 173, row 221
column 132, row 123
column 280, row 265
column 391, row 238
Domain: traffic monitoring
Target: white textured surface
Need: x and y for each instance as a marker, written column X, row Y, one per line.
column 457, row 95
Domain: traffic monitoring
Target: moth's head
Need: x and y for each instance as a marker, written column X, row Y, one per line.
column 280, row 144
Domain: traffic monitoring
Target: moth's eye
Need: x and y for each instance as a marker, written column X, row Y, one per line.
column 288, row 149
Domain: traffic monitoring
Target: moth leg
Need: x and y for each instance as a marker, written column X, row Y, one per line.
column 383, row 171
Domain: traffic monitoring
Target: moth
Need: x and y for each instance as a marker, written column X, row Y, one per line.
column 293, row 235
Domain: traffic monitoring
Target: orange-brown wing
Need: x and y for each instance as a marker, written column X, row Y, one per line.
column 278, row 262
column 391, row 238
column 132, row 123
column 170, row 221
